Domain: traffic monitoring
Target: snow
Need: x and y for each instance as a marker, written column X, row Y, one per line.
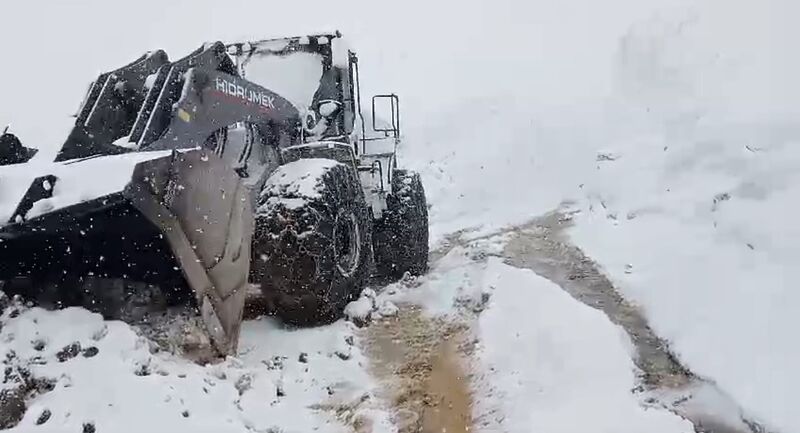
column 327, row 108
column 712, row 248
column 387, row 309
column 361, row 309
column 548, row 358
column 545, row 362
column 239, row 394
column 696, row 219
column 705, row 400
column 292, row 185
column 274, row 45
column 125, row 142
column 693, row 100
column 298, row 179
column 150, row 81
column 295, row 77
column 76, row 181
column 691, row 205
column 340, row 51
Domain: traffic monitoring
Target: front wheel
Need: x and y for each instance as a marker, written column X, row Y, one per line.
column 312, row 250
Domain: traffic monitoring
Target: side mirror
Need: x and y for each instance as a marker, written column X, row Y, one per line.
column 386, row 108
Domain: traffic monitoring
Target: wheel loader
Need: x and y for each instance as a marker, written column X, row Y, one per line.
column 184, row 183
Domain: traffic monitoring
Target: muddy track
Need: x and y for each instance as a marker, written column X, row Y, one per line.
column 419, row 361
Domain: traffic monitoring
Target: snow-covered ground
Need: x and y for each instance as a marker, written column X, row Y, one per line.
column 686, row 176
column 544, row 361
column 542, row 357
column 702, row 233
column 671, row 125
column 695, row 216
column 282, row 380
column 569, row 359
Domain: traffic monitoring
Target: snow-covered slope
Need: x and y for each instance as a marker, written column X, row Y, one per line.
column 695, row 216
column 702, row 232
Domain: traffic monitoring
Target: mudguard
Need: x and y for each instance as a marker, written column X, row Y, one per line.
column 160, row 216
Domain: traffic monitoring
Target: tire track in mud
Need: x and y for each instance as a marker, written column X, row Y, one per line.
column 419, row 361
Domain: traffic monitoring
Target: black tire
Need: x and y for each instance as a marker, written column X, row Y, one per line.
column 401, row 236
column 312, row 253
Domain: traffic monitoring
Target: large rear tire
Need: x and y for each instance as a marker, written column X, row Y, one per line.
column 401, row 236
column 312, row 249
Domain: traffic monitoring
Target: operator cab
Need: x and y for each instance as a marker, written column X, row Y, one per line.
column 319, row 75
column 310, row 73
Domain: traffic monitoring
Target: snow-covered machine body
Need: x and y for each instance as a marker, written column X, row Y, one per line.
column 181, row 184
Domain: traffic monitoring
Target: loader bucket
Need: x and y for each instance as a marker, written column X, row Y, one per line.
column 181, row 222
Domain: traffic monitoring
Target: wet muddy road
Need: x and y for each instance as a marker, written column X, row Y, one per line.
column 420, row 361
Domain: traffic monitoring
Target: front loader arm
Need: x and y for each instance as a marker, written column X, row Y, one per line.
column 212, row 100
column 162, row 105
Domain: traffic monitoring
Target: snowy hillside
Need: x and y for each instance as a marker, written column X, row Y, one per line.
column 695, row 216
column 666, row 132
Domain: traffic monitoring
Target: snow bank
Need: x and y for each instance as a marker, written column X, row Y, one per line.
column 552, row 364
column 285, row 380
